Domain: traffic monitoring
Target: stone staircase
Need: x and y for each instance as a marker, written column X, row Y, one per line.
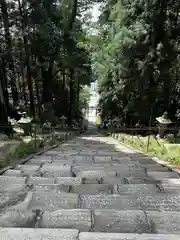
column 90, row 188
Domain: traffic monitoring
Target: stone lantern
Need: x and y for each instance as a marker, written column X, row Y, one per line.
column 63, row 121
column 25, row 123
column 163, row 121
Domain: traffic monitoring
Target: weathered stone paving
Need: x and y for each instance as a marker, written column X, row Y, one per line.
column 90, row 188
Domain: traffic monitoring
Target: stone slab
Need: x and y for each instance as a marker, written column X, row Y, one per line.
column 37, row 234
column 10, row 183
column 141, row 180
column 164, row 222
column 94, row 176
column 157, row 169
column 61, row 156
column 39, row 161
column 160, row 202
column 80, row 158
column 120, row 221
column 135, row 189
column 71, row 152
column 107, row 236
column 27, row 170
column 49, row 170
column 40, row 180
column 62, row 162
column 113, row 180
column 87, row 153
column 69, row 218
column 131, row 173
column 23, row 219
column 53, row 200
column 160, row 175
column 51, row 153
column 109, row 202
column 48, row 187
column 169, row 188
column 92, row 189
column 173, row 181
column 122, row 160
column 8, row 199
column 13, row 173
column 128, row 168
column 68, row 181
column 110, row 153
column 126, row 236
column 146, row 161
column 158, row 237
column 104, row 159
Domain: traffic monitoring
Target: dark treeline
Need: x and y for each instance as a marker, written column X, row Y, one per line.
column 138, row 61
column 44, row 61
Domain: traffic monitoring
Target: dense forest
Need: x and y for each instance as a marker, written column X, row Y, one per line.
column 44, row 59
column 48, row 54
column 137, row 59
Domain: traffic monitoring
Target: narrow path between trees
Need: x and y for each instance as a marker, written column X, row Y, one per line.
column 90, row 188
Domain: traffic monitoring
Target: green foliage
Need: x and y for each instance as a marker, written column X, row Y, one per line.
column 160, row 148
column 47, row 58
column 138, row 60
column 19, row 151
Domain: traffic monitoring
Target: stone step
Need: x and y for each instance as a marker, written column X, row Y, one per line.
column 113, row 180
column 16, row 218
column 8, row 183
column 120, row 221
column 49, row 170
column 13, row 173
column 109, row 202
column 149, row 202
column 159, row 175
column 62, row 162
column 113, row 221
column 146, row 180
column 92, row 189
column 157, row 169
column 11, row 198
column 108, row 167
column 136, row 189
column 80, row 219
column 126, row 236
column 122, row 160
column 49, row 187
column 164, row 222
column 169, row 188
column 68, row 181
column 27, row 170
column 95, row 176
column 39, row 161
column 40, row 180
column 36, row 234
column 53, row 200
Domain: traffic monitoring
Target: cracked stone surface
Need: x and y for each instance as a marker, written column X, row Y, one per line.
column 135, row 189
column 71, row 218
column 90, row 188
column 36, row 234
column 164, row 222
column 52, row 200
column 120, row 221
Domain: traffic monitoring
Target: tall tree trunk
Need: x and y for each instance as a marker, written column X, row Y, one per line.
column 27, row 53
column 47, row 95
column 71, row 96
column 67, row 35
column 3, row 99
column 9, row 51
